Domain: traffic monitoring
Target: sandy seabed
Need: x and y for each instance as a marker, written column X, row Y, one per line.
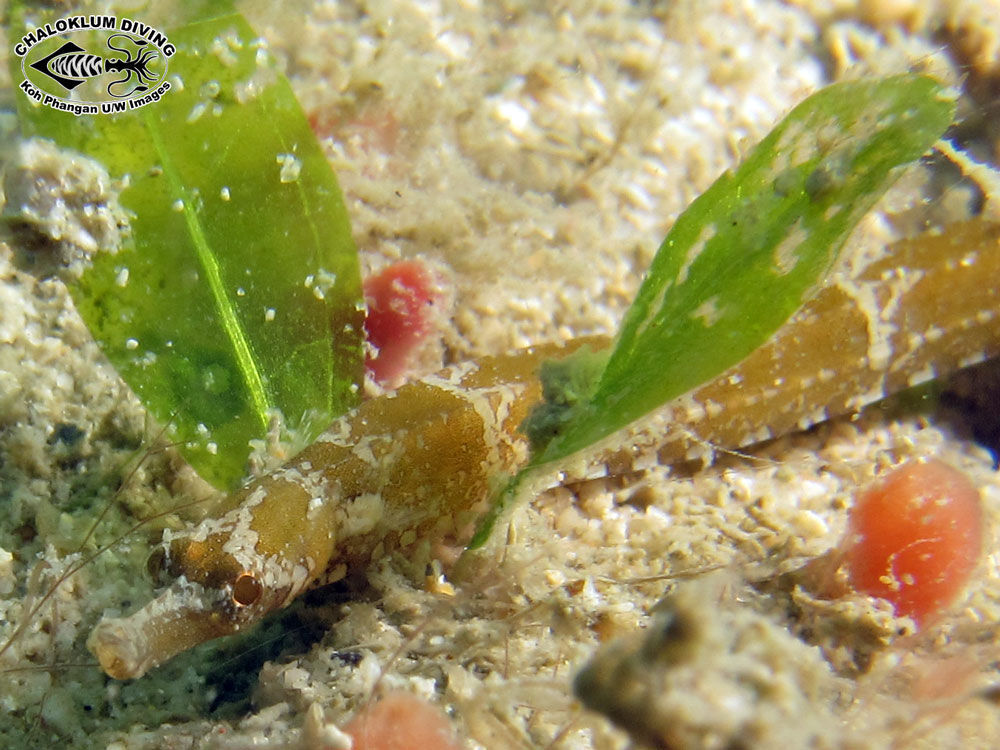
column 534, row 155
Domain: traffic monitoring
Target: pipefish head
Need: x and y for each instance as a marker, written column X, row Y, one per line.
column 211, row 595
column 222, row 577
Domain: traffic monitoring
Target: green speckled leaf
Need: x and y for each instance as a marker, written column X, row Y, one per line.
column 240, row 293
column 739, row 261
column 747, row 253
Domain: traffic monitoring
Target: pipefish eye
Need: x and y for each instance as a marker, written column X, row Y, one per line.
column 246, row 590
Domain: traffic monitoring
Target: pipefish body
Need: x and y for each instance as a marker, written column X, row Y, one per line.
column 419, row 463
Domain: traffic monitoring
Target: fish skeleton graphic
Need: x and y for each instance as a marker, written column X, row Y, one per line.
column 71, row 65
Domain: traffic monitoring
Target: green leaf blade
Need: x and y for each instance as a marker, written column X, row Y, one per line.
column 748, row 252
column 240, row 292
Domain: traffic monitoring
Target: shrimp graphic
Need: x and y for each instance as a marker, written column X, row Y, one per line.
column 71, row 65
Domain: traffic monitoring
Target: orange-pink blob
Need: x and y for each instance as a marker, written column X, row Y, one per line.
column 400, row 302
column 401, row 721
column 915, row 538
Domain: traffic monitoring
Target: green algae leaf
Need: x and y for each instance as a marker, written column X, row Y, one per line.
column 238, row 295
column 739, row 261
column 750, row 250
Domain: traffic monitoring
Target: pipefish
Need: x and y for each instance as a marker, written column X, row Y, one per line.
column 418, row 463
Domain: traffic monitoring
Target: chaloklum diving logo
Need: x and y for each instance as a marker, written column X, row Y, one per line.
column 94, row 64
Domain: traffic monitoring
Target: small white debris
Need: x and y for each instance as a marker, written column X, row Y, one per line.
column 269, row 314
column 178, row 205
column 212, row 447
column 211, row 89
column 318, row 732
column 249, row 89
column 290, row 167
column 241, row 292
column 224, row 193
column 196, row 112
column 223, row 52
column 121, row 279
column 323, row 283
column 131, row 344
